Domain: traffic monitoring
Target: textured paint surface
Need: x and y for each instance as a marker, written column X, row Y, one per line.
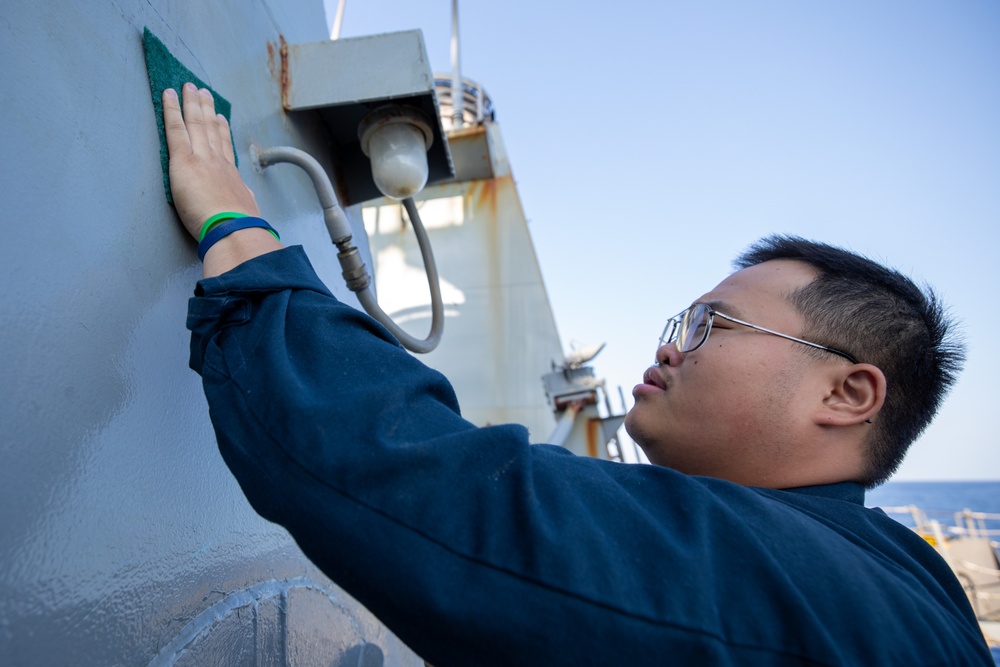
column 121, row 524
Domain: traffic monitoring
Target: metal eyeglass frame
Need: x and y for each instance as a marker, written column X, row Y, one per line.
column 677, row 323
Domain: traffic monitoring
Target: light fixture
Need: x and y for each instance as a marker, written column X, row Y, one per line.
column 381, row 114
column 372, row 73
column 396, row 138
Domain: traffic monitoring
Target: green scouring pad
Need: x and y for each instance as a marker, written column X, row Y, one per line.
column 165, row 71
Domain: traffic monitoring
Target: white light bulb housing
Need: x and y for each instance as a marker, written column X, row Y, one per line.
column 396, row 139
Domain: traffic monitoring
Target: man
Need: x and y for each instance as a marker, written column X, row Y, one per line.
column 823, row 415
column 748, row 543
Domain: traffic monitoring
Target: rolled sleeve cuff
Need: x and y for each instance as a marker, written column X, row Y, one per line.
column 227, row 300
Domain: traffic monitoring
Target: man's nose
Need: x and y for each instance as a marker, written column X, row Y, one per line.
column 669, row 355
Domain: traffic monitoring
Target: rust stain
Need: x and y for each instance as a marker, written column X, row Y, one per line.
column 576, row 402
column 481, row 197
column 284, row 72
column 593, row 431
column 466, row 132
column 485, row 192
column 485, row 196
column 272, row 65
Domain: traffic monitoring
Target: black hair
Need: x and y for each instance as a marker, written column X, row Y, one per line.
column 881, row 317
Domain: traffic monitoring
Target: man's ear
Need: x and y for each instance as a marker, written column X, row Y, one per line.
column 855, row 395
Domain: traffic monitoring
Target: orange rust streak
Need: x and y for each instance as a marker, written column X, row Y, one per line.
column 272, row 66
column 484, row 193
column 593, row 430
column 468, row 131
column 284, row 72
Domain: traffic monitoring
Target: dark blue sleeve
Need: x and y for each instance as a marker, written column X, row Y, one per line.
column 448, row 532
column 476, row 547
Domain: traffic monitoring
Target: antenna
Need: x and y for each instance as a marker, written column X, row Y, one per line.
column 338, row 21
column 457, row 90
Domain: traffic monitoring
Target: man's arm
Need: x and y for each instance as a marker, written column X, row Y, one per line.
column 205, row 181
column 472, row 545
column 449, row 533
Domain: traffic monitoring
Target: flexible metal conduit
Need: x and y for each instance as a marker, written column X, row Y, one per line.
column 355, row 274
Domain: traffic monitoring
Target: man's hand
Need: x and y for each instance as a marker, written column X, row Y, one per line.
column 204, row 179
column 203, row 175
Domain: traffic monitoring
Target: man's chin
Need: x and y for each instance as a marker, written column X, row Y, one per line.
column 633, row 426
column 641, row 421
column 629, row 426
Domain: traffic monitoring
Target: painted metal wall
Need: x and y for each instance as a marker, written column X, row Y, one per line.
column 125, row 541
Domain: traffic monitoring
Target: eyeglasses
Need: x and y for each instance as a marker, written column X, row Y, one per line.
column 689, row 330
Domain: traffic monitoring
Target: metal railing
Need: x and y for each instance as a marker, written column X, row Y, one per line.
column 965, row 523
column 477, row 107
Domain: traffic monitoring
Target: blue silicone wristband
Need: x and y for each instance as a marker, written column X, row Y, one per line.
column 226, row 228
column 218, row 217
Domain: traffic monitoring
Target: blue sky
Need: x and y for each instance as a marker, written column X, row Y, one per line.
column 653, row 141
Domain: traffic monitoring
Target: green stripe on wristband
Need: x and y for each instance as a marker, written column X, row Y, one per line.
column 227, row 227
column 217, row 218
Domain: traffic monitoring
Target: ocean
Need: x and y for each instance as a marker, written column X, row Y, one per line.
column 940, row 499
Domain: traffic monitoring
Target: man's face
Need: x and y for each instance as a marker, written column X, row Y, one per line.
column 730, row 409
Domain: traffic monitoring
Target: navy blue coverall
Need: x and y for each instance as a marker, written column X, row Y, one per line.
column 478, row 548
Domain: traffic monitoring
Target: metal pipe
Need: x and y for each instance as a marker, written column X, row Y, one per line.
column 338, row 21
column 333, row 214
column 353, row 268
column 565, row 424
column 479, row 104
column 457, row 92
column 367, row 299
